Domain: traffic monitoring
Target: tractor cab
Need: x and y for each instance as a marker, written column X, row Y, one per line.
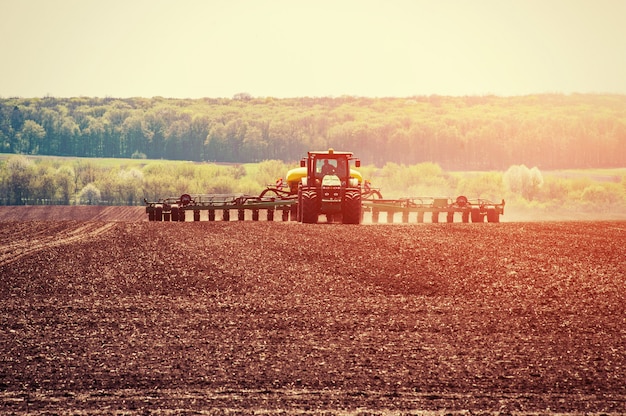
column 322, row 166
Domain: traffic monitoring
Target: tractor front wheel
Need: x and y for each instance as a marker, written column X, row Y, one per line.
column 310, row 207
column 352, row 208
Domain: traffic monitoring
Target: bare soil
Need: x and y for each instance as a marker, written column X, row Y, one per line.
column 114, row 316
column 72, row 212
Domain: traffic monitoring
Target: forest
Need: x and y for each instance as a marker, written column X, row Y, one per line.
column 471, row 133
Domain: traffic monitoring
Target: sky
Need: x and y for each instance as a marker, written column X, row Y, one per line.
column 310, row 48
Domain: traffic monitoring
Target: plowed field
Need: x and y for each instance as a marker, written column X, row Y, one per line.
column 129, row 316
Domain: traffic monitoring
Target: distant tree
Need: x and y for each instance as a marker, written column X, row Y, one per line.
column 603, row 197
column 242, row 96
column 486, row 185
column 17, row 121
column 108, row 184
column 271, row 170
column 31, row 137
column 92, row 140
column 89, row 195
column 130, row 185
column 135, row 136
column 156, row 183
column 19, row 174
column 523, row 181
column 536, row 182
column 43, row 185
column 17, row 118
column 69, row 133
column 65, row 182
column 223, row 185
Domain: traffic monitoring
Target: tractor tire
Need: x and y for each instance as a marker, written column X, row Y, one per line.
column 351, row 208
column 181, row 215
column 492, row 215
column 310, row 205
column 477, row 216
column 175, row 212
column 158, row 213
column 293, row 213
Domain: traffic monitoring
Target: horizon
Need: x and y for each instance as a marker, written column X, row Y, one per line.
column 331, row 97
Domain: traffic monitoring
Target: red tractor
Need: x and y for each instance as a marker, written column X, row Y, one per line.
column 326, row 184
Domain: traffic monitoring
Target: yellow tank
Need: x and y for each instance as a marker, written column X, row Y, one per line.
column 295, row 175
column 356, row 175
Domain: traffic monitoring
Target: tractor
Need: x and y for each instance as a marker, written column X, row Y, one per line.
column 326, row 185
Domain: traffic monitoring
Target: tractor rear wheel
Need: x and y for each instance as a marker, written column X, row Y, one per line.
column 175, row 212
column 158, row 213
column 352, row 207
column 310, row 207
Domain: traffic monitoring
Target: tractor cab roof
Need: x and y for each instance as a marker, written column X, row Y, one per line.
column 330, row 153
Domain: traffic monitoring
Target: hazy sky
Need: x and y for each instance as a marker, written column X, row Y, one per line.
column 296, row 48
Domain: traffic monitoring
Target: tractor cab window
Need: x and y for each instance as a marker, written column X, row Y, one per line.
column 326, row 167
column 342, row 168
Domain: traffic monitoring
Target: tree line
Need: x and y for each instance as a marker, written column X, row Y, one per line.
column 551, row 131
column 28, row 180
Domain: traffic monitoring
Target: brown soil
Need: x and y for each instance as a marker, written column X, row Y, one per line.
column 72, row 212
column 120, row 317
